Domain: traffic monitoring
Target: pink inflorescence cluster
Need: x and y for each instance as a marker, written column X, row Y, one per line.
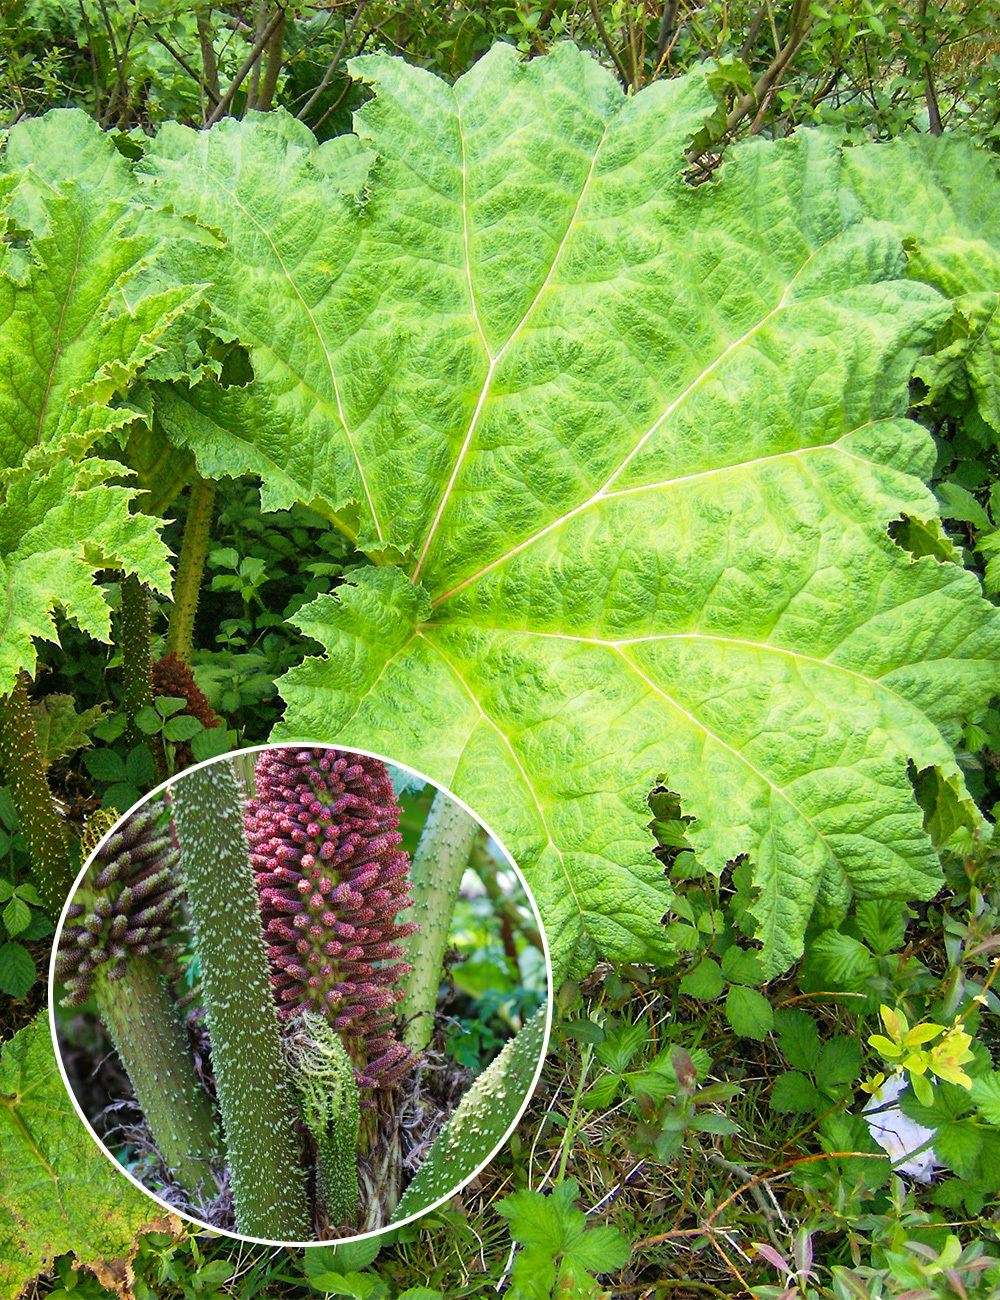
column 331, row 879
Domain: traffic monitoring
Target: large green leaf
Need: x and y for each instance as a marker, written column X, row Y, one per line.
column 940, row 193
column 58, row 1193
column 625, row 452
column 82, row 312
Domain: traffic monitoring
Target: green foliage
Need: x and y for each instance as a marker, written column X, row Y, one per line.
column 83, row 316
column 44, row 1214
column 611, row 662
column 560, row 1254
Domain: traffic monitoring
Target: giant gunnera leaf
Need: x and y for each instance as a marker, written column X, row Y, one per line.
column 57, row 1191
column 625, row 453
column 82, row 312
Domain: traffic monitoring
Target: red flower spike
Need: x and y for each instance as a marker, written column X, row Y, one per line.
column 336, row 809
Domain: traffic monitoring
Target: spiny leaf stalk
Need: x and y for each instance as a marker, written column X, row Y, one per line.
column 191, row 566
column 133, row 639
column 332, row 879
column 438, row 866
column 24, row 772
column 258, row 1113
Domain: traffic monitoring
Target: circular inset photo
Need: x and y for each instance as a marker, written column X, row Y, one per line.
column 299, row 993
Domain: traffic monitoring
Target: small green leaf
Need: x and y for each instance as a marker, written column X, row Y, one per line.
column 986, row 1095
column 710, row 1122
column 6, row 889
column 742, row 966
column 39, row 927
column 840, row 1062
column 8, row 814
column 882, row 924
column 794, row 1093
column 602, row 1092
column 120, row 796
column 182, row 728
column 167, row 705
column 104, row 765
column 705, row 982
column 620, row 1045
column 17, row 970
column 30, row 894
column 139, row 768
column 148, row 720
column 216, row 1272
column 209, row 743
column 749, row 1012
column 798, row 1038
column 957, row 1143
column 16, row 915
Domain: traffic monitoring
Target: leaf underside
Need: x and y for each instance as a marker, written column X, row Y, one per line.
column 624, row 452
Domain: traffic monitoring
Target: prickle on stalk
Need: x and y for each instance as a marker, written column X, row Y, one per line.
column 332, row 879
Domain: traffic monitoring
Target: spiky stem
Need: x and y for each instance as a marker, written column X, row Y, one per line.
column 190, row 567
column 24, row 771
column 480, row 1122
column 257, row 1109
column 438, row 866
column 145, row 1027
column 137, row 678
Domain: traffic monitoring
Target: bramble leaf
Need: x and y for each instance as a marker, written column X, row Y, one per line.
column 625, row 453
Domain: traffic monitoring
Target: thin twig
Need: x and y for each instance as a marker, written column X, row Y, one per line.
column 209, row 62
column 334, row 62
column 224, row 104
column 602, row 31
column 179, row 58
column 272, row 70
column 666, row 30
column 255, row 78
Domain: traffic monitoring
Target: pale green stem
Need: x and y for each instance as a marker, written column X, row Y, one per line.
column 438, row 866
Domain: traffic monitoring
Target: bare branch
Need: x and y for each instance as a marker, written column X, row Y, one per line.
column 334, row 62
column 224, row 104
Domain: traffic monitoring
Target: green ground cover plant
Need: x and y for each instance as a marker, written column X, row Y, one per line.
column 610, row 430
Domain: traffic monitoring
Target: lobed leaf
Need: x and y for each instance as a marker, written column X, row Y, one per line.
column 83, row 310
column 57, row 1193
column 939, row 193
column 625, row 453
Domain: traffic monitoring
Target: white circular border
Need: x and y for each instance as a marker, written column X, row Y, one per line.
column 389, row 1227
